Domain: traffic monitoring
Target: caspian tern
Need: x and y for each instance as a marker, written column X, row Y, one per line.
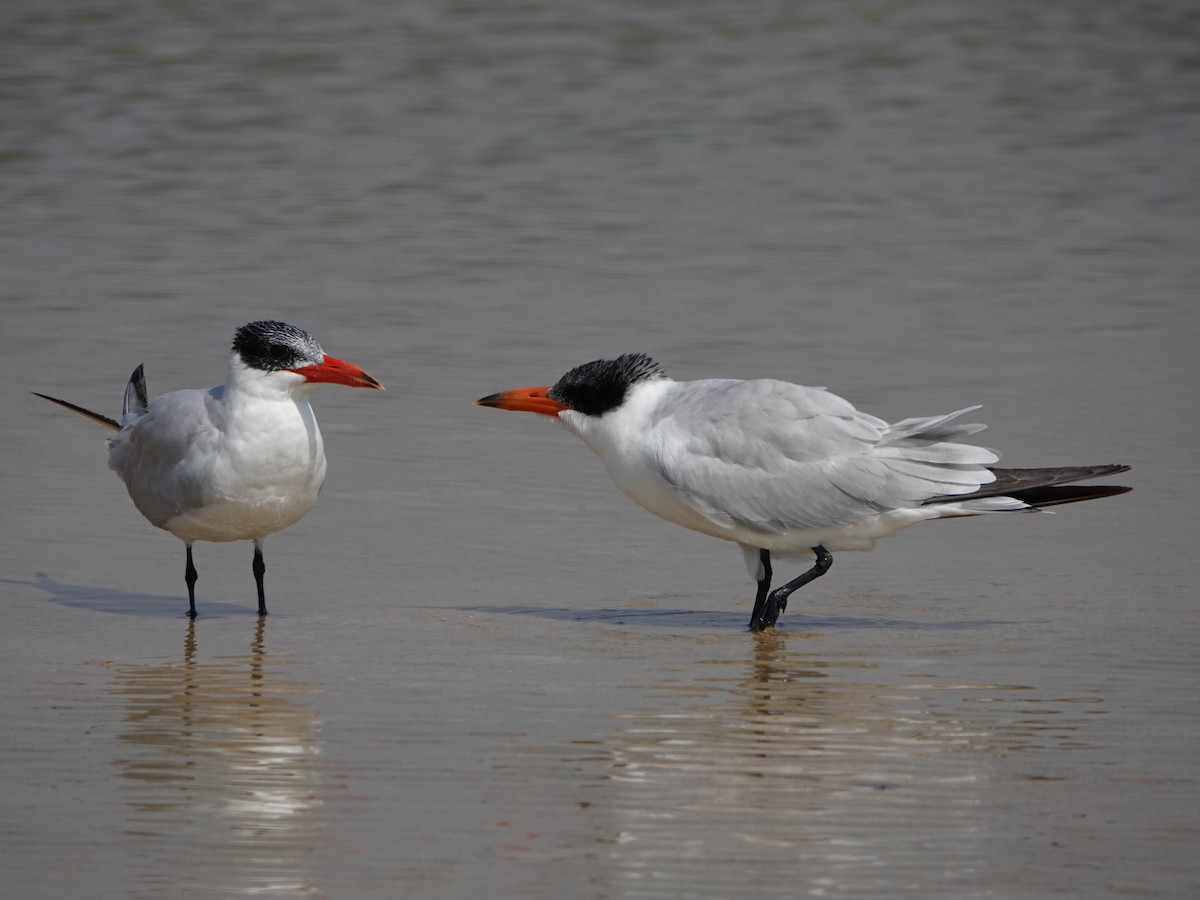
column 780, row 468
column 234, row 463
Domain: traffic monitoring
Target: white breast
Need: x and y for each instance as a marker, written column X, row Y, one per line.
column 208, row 466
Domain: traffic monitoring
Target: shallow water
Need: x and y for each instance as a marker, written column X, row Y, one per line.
column 485, row 672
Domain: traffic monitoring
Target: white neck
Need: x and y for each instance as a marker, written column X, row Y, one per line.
column 259, row 385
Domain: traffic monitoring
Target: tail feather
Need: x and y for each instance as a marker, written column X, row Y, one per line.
column 133, row 406
column 94, row 416
column 1043, row 487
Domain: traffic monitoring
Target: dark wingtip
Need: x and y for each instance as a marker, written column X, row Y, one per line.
column 1024, row 483
column 136, row 401
column 1041, row 497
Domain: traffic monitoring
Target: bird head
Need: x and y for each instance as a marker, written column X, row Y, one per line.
column 591, row 389
column 271, row 346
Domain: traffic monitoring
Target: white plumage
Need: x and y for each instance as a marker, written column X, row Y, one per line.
column 236, row 462
column 233, row 463
column 779, row 468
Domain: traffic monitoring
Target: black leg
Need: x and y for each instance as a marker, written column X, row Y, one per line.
column 764, row 585
column 191, row 576
column 776, row 601
column 260, row 569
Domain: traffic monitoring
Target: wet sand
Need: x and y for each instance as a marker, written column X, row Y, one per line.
column 487, row 673
column 515, row 718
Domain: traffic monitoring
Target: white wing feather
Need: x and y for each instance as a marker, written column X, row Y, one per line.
column 771, row 456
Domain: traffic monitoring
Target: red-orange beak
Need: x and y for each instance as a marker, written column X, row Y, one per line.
column 337, row 371
column 529, row 399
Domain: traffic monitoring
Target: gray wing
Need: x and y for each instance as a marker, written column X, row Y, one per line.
column 164, row 455
column 773, row 456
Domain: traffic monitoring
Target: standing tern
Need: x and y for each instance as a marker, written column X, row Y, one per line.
column 236, row 462
column 784, row 469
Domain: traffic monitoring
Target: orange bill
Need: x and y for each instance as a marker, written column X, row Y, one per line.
column 528, row 399
column 337, row 371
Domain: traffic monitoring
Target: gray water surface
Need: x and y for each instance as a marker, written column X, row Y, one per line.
column 487, row 673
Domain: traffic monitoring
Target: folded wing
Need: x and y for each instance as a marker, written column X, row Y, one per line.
column 772, row 456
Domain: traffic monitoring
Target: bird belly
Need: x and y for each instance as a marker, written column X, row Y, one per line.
column 240, row 483
column 857, row 536
column 241, row 518
column 664, row 501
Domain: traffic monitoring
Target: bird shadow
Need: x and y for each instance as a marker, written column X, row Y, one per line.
column 125, row 603
column 710, row 619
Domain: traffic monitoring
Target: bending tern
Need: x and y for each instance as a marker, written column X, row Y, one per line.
column 782, row 469
column 234, row 463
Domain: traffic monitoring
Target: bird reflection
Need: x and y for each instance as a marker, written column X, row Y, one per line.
column 220, row 772
column 807, row 771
